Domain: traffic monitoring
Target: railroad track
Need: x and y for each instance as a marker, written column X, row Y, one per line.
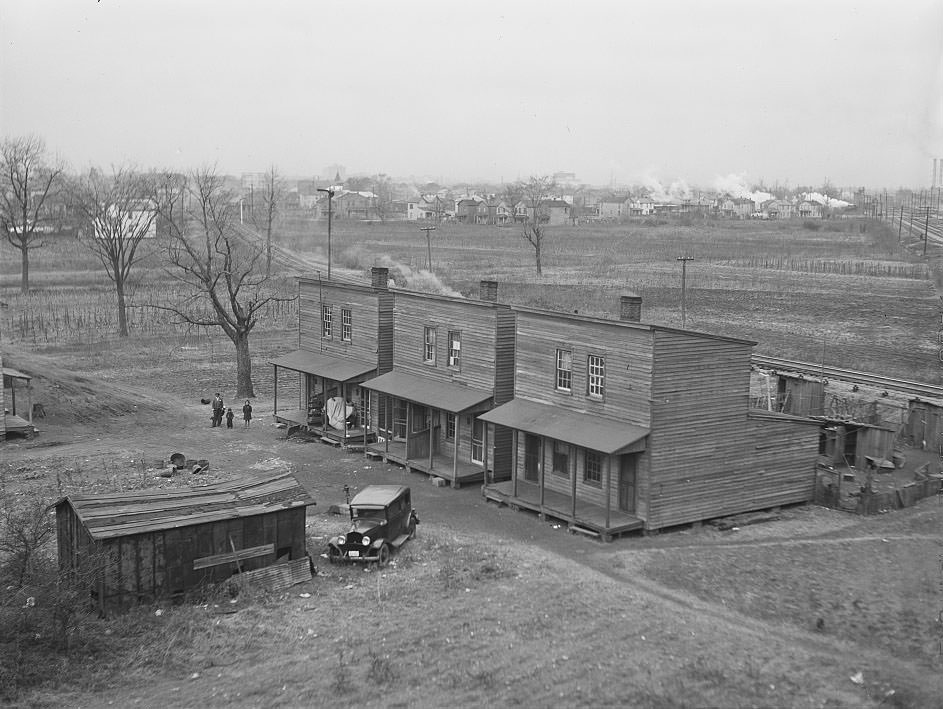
column 922, row 389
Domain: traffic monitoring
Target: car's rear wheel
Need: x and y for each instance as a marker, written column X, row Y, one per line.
column 383, row 555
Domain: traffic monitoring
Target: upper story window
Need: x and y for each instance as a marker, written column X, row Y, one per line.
column 564, row 377
column 455, row 348
column 428, row 345
column 327, row 321
column 346, row 324
column 595, row 376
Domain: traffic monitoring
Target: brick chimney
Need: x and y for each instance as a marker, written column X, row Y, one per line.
column 630, row 307
column 488, row 290
column 380, row 277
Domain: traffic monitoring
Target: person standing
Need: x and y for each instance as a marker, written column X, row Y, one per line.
column 229, row 417
column 247, row 412
column 217, row 410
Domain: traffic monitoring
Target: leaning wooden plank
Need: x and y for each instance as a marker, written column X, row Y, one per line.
column 229, row 557
column 279, row 576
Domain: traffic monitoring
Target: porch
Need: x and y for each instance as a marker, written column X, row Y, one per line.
column 587, row 517
column 457, row 472
column 296, row 419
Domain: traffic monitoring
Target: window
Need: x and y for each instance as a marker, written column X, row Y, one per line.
column 592, row 473
column 346, row 322
column 455, row 348
column 595, row 376
column 561, row 458
column 428, row 350
column 450, row 427
column 564, row 377
column 477, row 443
column 327, row 321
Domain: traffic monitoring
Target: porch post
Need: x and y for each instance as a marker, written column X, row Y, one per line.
column 455, row 440
column 323, row 407
column 572, row 466
column 365, row 395
column 431, row 435
column 29, row 399
column 540, row 470
column 388, row 410
column 409, row 408
column 13, row 393
column 275, row 403
column 608, row 487
column 514, row 463
column 484, row 450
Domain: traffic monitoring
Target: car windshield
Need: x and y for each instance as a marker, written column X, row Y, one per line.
column 368, row 513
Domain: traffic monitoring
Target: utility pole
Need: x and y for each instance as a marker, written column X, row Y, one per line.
column 428, row 229
column 926, row 228
column 684, row 272
column 900, row 224
column 330, row 196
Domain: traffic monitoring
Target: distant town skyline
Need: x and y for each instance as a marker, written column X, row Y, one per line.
column 614, row 92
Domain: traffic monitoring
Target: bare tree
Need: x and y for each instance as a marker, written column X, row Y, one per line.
column 220, row 267
column 119, row 213
column 29, row 179
column 535, row 192
column 264, row 218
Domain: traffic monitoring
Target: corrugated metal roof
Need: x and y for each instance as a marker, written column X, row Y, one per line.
column 598, row 434
column 339, row 369
column 429, row 392
column 125, row 513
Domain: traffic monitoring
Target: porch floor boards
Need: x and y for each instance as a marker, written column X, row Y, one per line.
column 299, row 417
column 560, row 506
column 466, row 472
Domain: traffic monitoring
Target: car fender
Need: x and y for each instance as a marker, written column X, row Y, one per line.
column 377, row 543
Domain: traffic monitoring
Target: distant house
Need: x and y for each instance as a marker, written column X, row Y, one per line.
column 426, row 207
column 613, row 207
column 499, row 213
column 809, row 209
column 471, row 210
column 779, row 209
column 139, row 215
column 641, row 206
column 551, row 211
column 351, row 205
column 743, row 207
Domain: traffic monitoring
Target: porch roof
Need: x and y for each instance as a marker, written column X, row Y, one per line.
column 429, row 392
column 598, row 434
column 338, row 369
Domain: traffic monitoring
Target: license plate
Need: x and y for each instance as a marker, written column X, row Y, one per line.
column 353, row 554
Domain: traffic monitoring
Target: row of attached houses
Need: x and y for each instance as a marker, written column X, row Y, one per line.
column 610, row 425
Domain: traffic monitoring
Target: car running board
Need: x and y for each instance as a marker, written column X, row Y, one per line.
column 399, row 541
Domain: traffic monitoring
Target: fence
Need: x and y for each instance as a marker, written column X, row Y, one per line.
column 849, row 496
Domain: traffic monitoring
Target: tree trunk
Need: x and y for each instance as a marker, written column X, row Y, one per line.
column 122, row 310
column 24, row 282
column 243, row 367
column 537, row 252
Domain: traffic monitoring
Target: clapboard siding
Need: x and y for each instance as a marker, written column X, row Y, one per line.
column 628, row 361
column 504, row 348
column 475, row 320
column 385, row 331
column 364, row 304
column 700, row 401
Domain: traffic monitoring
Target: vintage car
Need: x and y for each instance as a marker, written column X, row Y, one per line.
column 381, row 519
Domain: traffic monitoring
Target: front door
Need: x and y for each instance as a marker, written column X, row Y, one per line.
column 531, row 457
column 627, row 483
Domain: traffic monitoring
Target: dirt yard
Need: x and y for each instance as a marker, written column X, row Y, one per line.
column 487, row 606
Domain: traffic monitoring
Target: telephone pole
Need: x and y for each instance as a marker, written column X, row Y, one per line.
column 428, row 229
column 684, row 272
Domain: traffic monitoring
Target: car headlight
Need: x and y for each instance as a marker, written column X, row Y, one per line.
column 340, row 540
column 366, row 541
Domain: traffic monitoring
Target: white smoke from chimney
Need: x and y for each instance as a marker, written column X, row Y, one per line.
column 414, row 279
column 678, row 191
column 736, row 185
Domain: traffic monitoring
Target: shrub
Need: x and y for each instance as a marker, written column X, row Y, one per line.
column 811, row 225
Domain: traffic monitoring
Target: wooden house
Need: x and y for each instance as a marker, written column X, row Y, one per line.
column 12, row 422
column 619, row 425
column 924, row 425
column 142, row 546
column 453, row 360
column 852, row 443
column 345, row 338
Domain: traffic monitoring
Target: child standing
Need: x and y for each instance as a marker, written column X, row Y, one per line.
column 229, row 417
column 247, row 412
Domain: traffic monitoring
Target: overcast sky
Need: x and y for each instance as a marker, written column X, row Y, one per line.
column 794, row 92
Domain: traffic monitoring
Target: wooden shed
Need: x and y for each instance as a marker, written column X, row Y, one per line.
column 157, row 544
column 924, row 424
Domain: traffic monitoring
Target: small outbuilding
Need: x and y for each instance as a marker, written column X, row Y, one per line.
column 142, row 546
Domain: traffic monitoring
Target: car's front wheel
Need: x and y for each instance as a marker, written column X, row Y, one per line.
column 383, row 555
column 411, row 529
column 333, row 554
